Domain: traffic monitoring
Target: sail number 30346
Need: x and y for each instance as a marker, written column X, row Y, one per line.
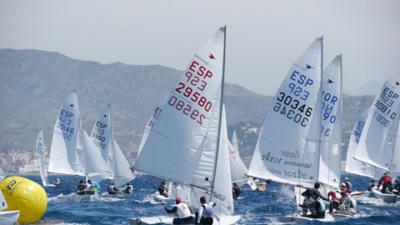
column 292, row 109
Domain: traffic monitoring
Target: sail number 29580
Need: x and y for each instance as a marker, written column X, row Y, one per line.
column 186, row 109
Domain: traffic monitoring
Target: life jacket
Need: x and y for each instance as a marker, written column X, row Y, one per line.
column 183, row 210
column 387, row 179
column 333, row 196
column 208, row 210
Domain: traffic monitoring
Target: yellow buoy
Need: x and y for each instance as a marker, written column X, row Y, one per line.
column 26, row 196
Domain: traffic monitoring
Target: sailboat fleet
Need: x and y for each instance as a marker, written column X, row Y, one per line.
column 186, row 140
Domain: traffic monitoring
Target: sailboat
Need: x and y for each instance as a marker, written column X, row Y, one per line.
column 7, row 217
column 102, row 136
column 41, row 153
column 378, row 145
column 306, row 109
column 187, row 142
column 66, row 147
column 72, row 152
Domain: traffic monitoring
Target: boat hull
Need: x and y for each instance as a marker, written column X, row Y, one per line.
column 87, row 192
column 9, row 217
column 386, row 197
column 223, row 220
column 297, row 218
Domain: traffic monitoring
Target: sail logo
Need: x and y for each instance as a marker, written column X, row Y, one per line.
column 269, row 158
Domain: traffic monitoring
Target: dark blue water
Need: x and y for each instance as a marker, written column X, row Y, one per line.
column 254, row 207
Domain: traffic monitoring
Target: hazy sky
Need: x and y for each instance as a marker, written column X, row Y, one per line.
column 264, row 37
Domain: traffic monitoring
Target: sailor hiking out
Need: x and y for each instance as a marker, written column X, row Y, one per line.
column 312, row 202
column 183, row 212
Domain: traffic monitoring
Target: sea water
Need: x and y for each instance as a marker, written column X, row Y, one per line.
column 65, row 207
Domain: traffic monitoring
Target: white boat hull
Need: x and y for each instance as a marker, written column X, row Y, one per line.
column 386, row 197
column 297, row 218
column 9, row 217
column 223, row 220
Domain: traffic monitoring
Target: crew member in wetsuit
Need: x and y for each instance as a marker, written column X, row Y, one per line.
column 311, row 202
column 371, row 184
column 112, row 190
column 386, row 182
column 163, row 190
column 236, row 191
column 396, row 188
column 128, row 189
column 183, row 212
column 348, row 184
column 205, row 213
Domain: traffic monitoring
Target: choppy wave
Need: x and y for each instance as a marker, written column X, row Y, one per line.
column 65, row 207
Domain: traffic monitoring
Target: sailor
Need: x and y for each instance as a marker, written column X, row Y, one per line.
column 312, row 202
column 371, row 184
column 183, row 212
column 57, row 182
column 348, row 184
column 128, row 189
column 343, row 190
column 206, row 212
column 81, row 186
column 94, row 186
column 112, row 190
column 386, row 182
column 235, row 191
column 396, row 188
column 335, row 200
column 162, row 190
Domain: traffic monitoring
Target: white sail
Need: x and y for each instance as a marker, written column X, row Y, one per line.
column 148, row 127
column 378, row 139
column 41, row 153
column 223, row 184
column 64, row 156
column 3, row 202
column 95, row 167
column 121, row 172
column 177, row 147
column 330, row 120
column 101, row 134
column 283, row 152
column 238, row 169
column 355, row 166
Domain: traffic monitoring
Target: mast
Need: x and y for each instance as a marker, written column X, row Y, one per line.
column 319, row 114
column 221, row 102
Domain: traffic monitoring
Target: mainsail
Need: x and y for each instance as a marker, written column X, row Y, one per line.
column 177, row 147
column 64, row 154
column 378, row 144
column 41, row 153
column 355, row 166
column 286, row 155
column 118, row 168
